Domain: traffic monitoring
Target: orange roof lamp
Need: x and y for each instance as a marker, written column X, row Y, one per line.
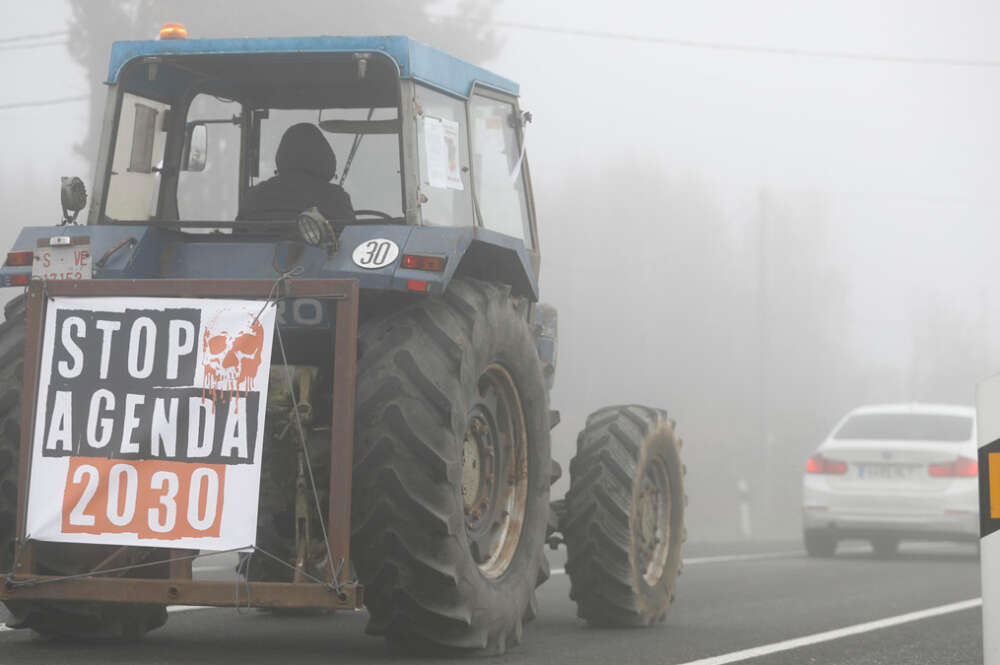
column 173, row 31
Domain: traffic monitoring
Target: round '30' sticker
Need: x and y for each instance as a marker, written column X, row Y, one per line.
column 375, row 253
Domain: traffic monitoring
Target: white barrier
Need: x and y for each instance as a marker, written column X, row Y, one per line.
column 988, row 433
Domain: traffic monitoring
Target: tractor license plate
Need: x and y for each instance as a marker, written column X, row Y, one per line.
column 63, row 257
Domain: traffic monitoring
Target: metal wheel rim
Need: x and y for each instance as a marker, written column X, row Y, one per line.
column 495, row 472
column 653, row 518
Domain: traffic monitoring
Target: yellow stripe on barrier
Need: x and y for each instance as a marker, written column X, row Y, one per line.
column 994, row 464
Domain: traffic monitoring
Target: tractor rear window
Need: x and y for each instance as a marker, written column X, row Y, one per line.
column 365, row 144
column 212, row 194
column 134, row 185
column 443, row 152
column 906, row 427
column 496, row 166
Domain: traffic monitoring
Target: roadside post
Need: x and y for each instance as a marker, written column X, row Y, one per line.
column 746, row 525
column 988, row 433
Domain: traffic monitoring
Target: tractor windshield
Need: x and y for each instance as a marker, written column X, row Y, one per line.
column 203, row 139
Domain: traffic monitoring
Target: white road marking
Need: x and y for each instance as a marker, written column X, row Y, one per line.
column 4, row 628
column 762, row 556
column 724, row 558
column 188, row 608
column 214, row 569
column 837, row 634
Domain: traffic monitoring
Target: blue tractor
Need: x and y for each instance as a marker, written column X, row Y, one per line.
column 385, row 161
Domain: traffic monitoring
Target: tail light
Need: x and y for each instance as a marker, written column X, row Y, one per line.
column 418, row 262
column 962, row 467
column 416, row 285
column 21, row 258
column 819, row 464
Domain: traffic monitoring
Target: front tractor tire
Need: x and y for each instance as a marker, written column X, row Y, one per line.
column 451, row 470
column 625, row 517
column 76, row 620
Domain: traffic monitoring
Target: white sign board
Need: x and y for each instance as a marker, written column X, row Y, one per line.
column 988, row 434
column 442, row 153
column 149, row 422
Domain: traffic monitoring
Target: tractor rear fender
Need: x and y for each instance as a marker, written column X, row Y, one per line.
column 470, row 252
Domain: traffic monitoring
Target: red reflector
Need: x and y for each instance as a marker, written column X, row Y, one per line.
column 19, row 280
column 416, row 285
column 834, row 467
column 963, row 467
column 819, row 464
column 418, row 262
column 22, row 258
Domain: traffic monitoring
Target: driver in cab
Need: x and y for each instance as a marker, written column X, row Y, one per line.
column 305, row 166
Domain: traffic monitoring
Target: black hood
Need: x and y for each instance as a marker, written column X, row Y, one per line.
column 304, row 148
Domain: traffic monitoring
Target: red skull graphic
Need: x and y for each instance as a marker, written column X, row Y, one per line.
column 231, row 357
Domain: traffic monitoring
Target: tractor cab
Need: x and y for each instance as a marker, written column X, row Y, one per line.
column 420, row 137
column 395, row 141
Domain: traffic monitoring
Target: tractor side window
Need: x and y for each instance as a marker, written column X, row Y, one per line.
column 134, row 187
column 212, row 194
column 443, row 152
column 496, row 166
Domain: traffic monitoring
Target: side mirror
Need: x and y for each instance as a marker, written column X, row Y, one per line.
column 195, row 148
column 73, row 197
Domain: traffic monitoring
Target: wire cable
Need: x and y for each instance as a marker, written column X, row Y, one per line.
column 44, row 102
column 734, row 47
column 21, row 47
column 40, row 35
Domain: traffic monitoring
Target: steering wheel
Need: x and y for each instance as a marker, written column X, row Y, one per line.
column 374, row 213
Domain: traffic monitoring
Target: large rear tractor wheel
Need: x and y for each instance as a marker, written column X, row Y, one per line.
column 86, row 621
column 451, row 470
column 625, row 517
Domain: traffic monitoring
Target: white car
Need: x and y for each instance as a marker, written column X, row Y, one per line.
column 893, row 472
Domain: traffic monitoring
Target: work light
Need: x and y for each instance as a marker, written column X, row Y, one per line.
column 316, row 230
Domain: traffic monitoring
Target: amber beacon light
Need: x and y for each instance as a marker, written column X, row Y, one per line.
column 173, row 31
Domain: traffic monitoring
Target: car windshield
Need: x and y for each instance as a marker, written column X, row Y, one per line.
column 906, row 426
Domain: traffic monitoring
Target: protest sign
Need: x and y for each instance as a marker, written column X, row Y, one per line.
column 149, row 422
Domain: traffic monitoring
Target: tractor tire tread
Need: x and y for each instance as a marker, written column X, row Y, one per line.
column 598, row 512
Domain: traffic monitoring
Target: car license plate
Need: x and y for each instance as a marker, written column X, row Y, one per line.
column 63, row 257
column 881, row 471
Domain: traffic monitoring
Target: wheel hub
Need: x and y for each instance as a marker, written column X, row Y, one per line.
column 477, row 466
column 652, row 537
column 494, row 472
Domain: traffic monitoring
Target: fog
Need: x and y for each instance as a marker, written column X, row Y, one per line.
column 755, row 215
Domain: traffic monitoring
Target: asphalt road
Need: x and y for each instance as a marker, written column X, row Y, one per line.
column 731, row 599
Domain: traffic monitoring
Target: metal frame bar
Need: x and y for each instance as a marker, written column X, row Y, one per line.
column 179, row 587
